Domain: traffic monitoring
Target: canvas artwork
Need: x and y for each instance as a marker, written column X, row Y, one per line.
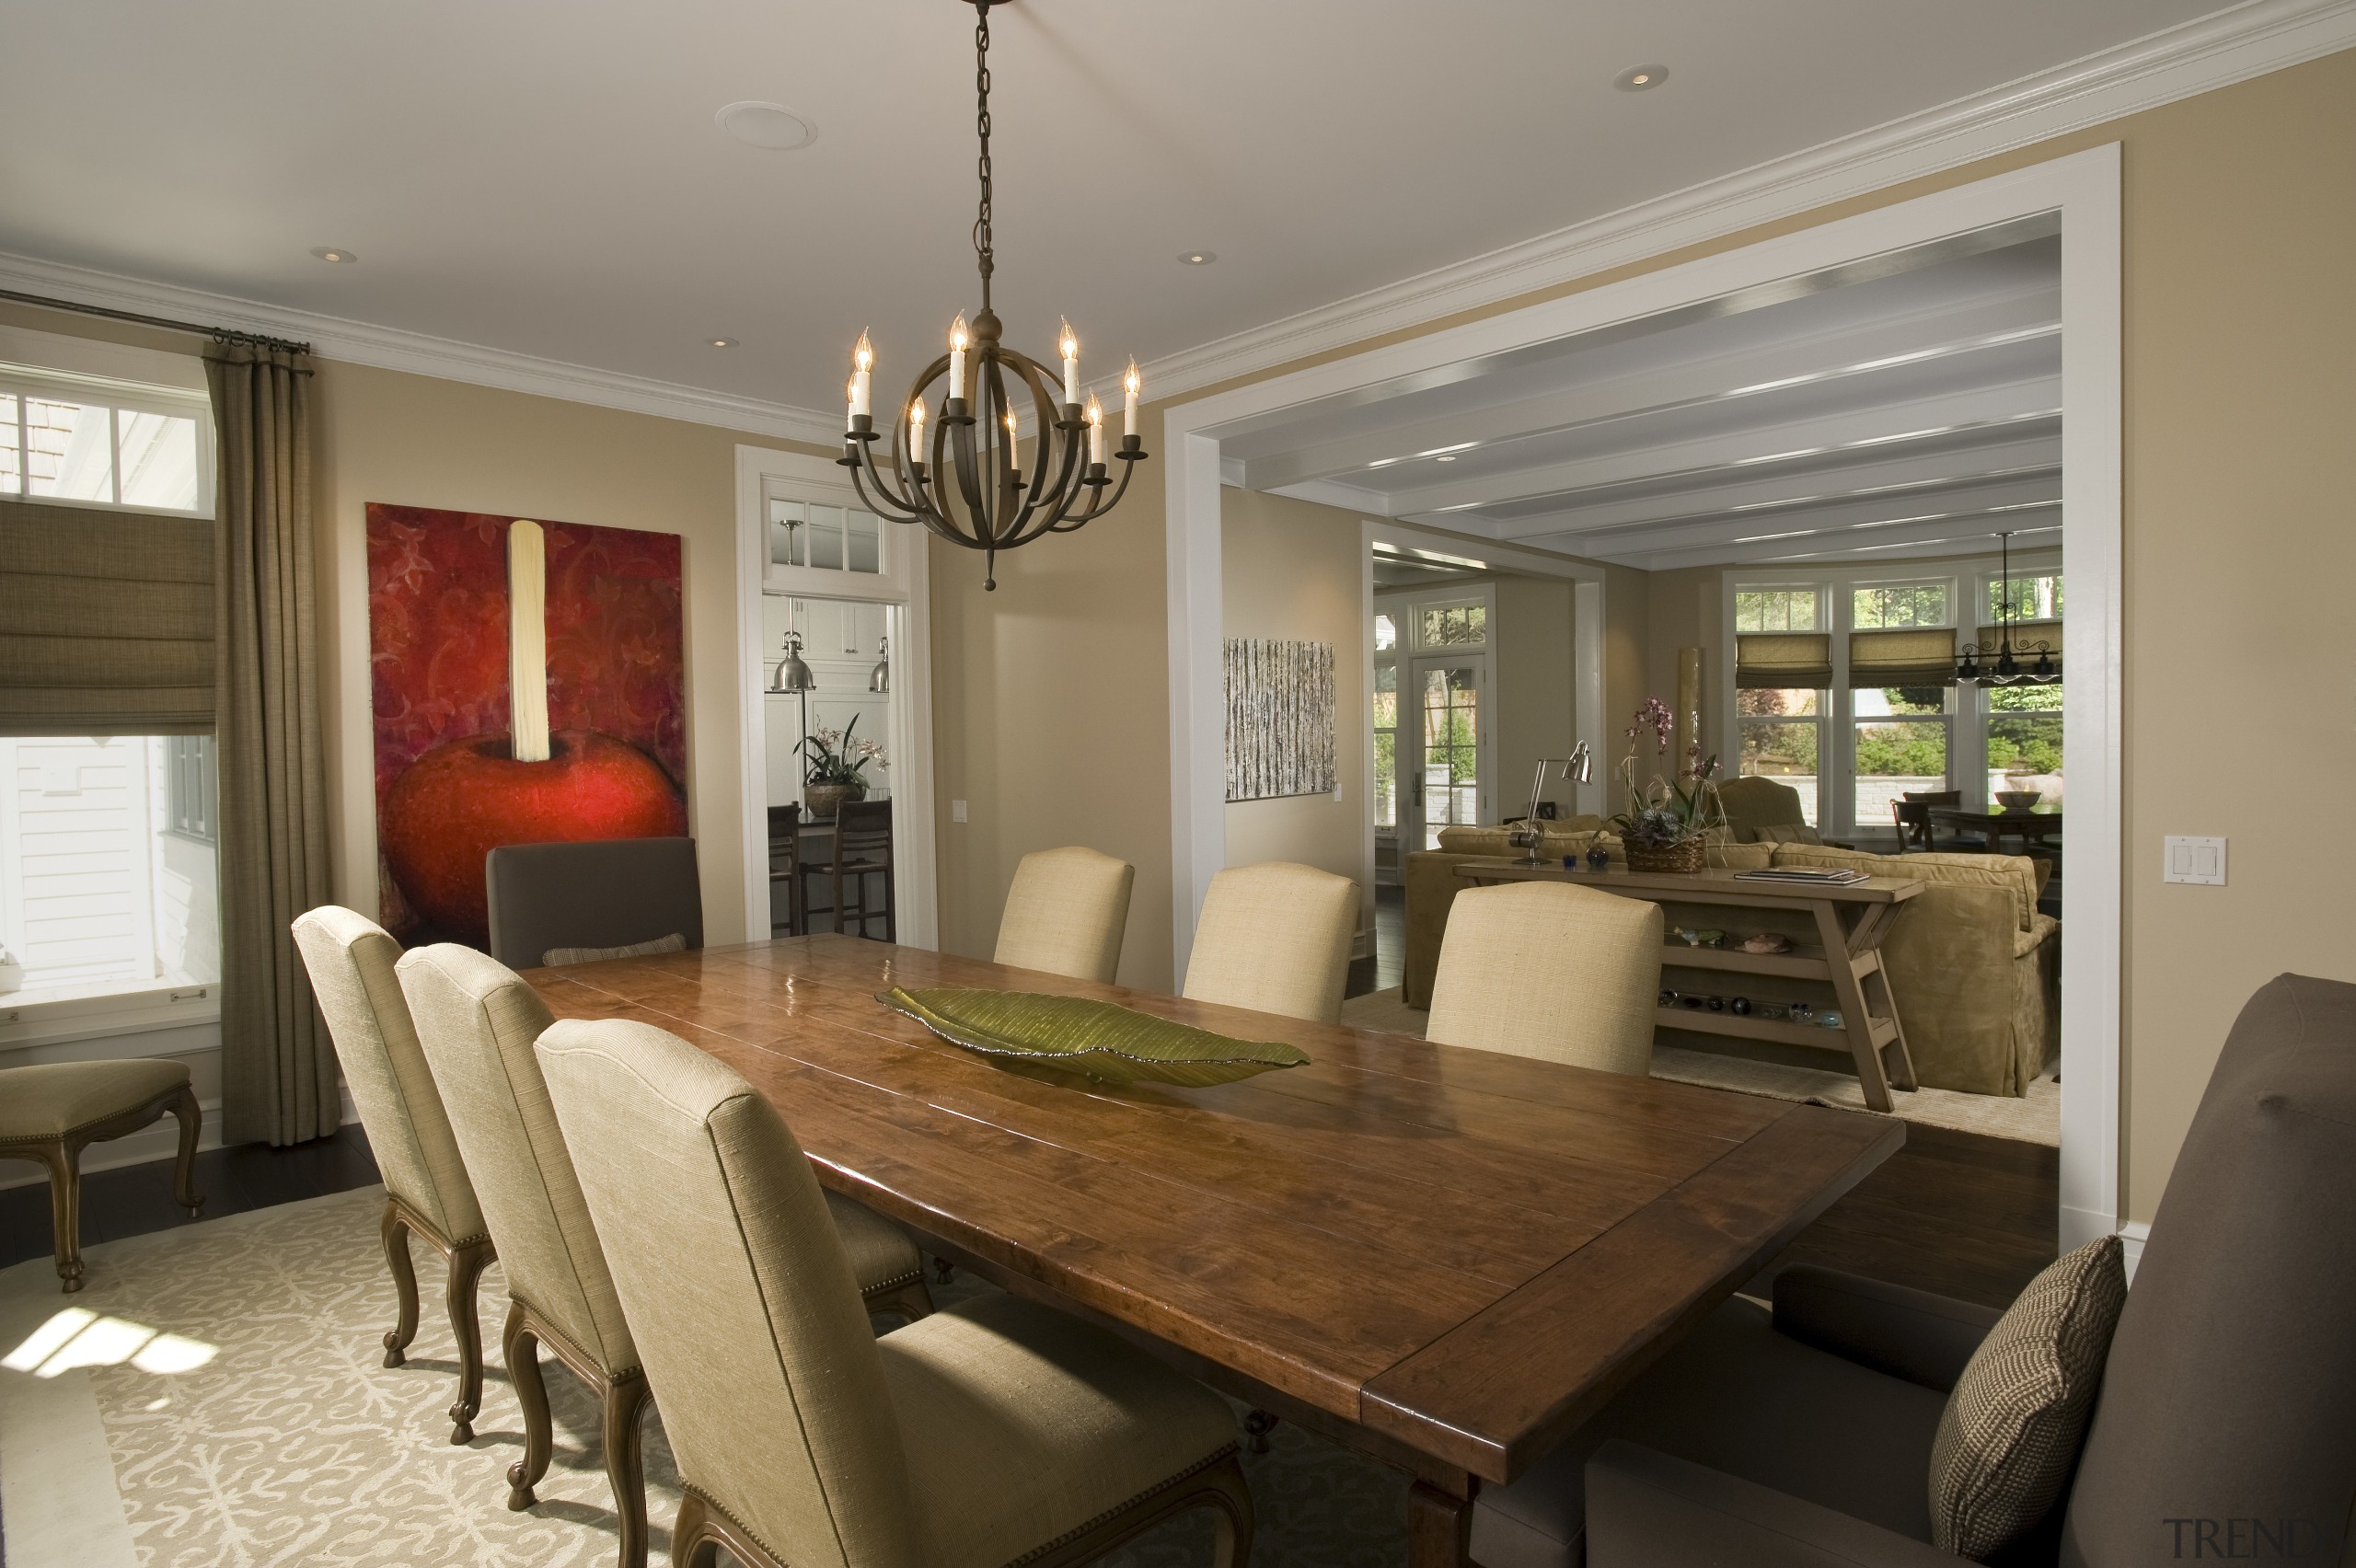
column 1279, row 719
column 601, row 622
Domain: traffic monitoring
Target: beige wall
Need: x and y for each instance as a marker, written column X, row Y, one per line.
column 1296, row 569
column 2240, row 371
column 1529, row 672
column 1684, row 613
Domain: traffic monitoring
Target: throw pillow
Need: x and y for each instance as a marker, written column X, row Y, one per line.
column 672, row 943
column 1798, row 833
column 2014, row 1423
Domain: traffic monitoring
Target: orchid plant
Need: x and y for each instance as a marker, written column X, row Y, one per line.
column 838, row 756
column 1667, row 813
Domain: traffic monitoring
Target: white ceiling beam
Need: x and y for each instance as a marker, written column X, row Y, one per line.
column 1972, row 498
column 1855, row 356
column 1858, row 431
column 1962, row 528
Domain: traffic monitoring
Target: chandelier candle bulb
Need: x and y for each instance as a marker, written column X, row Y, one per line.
column 915, row 432
column 1096, row 431
column 958, row 339
column 1132, row 383
column 1068, row 346
column 862, row 360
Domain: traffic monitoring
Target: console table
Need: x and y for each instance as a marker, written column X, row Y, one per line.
column 1851, row 922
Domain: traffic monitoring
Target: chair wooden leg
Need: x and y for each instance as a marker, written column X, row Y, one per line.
column 624, row 1404
column 191, row 1119
column 1229, row 1501
column 891, row 906
column 65, row 1165
column 396, row 1234
column 520, row 1349
column 692, row 1543
column 467, row 1264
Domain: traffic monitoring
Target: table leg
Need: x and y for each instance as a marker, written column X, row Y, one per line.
column 1857, row 1024
column 1440, row 1523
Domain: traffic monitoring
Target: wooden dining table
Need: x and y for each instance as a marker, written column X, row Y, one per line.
column 1443, row 1258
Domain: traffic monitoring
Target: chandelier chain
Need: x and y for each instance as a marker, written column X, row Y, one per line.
column 982, row 246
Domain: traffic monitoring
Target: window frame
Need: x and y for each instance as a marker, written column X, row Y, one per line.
column 26, row 383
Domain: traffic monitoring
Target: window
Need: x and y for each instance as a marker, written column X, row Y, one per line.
column 104, row 445
column 1911, row 604
column 1783, row 732
column 1454, row 626
column 2023, row 723
column 189, row 786
column 831, row 538
column 1775, row 609
column 1386, row 740
column 2032, row 598
column 1451, row 751
column 1386, row 632
column 1901, row 747
column 101, row 890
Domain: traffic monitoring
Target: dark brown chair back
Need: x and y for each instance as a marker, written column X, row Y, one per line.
column 863, row 831
column 611, row 892
column 1913, row 820
column 2225, row 1401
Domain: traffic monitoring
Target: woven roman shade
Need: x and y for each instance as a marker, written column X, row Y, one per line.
column 1773, row 660
column 2024, row 634
column 106, row 622
column 1916, row 656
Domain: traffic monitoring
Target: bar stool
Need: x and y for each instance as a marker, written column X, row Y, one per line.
column 792, row 917
column 862, row 849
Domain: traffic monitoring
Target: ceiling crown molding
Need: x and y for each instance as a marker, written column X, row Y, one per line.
column 2214, row 51
column 390, row 348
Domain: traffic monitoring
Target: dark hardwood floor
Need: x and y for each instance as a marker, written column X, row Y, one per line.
column 1957, row 1213
column 137, row 1199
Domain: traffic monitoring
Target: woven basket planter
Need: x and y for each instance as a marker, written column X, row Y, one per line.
column 1685, row 856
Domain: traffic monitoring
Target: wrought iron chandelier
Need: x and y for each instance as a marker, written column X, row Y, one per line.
column 962, row 477
column 2003, row 666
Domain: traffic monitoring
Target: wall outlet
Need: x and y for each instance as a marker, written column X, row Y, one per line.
column 2197, row 861
column 957, row 811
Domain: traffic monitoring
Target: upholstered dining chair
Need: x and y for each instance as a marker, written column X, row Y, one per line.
column 1545, row 969
column 991, row 1433
column 50, row 1111
column 1274, row 937
column 1066, row 913
column 607, row 898
column 477, row 1020
column 427, row 1192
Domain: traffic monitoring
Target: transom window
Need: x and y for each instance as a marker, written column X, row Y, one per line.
column 1901, row 605
column 93, row 444
column 1775, row 609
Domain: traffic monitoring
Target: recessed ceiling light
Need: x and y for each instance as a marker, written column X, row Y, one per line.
column 1445, row 457
column 1638, row 78
column 1198, row 258
column 334, row 253
column 720, row 342
column 771, row 127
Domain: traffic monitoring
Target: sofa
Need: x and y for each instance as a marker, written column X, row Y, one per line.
column 1974, row 966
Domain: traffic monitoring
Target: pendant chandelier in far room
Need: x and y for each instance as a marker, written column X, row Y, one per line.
column 1982, row 664
column 960, row 474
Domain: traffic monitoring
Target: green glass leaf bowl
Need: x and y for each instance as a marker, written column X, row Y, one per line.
column 1112, row 1043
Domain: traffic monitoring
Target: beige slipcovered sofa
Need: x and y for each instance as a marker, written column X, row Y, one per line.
column 1974, row 967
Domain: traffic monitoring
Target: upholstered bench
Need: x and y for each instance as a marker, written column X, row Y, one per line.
column 49, row 1112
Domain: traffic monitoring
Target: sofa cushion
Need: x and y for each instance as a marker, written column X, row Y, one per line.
column 1786, row 833
column 1470, row 840
column 2012, row 1429
column 2015, row 874
column 48, row 1100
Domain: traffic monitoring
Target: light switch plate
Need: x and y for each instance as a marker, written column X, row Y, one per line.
column 2197, row 860
column 957, row 811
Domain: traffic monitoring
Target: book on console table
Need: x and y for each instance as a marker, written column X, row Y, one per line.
column 1815, row 878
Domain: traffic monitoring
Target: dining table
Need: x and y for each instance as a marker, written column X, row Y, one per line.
column 1445, row 1259
column 2033, row 826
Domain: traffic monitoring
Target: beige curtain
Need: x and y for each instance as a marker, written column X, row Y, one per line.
column 278, row 1068
column 106, row 622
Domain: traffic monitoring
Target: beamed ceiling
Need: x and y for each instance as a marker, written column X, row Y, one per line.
column 1909, row 406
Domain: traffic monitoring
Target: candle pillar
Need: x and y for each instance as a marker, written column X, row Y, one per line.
column 957, row 340
column 916, row 431
column 1095, row 433
column 1068, row 345
column 527, row 644
column 862, row 360
column 1132, row 384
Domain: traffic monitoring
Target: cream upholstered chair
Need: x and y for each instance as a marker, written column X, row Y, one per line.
column 1274, row 937
column 477, row 1020
column 50, row 1111
column 1544, row 969
column 988, row 1434
column 427, row 1192
column 1066, row 913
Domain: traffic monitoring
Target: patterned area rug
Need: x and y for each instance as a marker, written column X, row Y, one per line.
column 2035, row 1118
column 235, row 1367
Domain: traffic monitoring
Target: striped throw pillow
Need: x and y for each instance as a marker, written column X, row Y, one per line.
column 2017, row 1417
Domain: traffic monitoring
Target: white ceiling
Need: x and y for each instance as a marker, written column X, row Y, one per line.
column 1910, row 405
column 547, row 179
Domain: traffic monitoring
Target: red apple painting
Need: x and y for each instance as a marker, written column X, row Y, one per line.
column 529, row 687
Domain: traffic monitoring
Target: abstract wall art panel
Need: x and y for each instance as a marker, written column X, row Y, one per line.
column 1279, row 719
column 449, row 787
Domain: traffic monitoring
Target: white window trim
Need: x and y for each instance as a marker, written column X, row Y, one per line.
column 1408, row 602
column 905, row 585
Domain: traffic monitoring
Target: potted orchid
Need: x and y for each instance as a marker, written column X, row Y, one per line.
column 834, row 768
column 1667, row 821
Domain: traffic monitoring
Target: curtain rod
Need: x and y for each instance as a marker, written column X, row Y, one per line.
column 218, row 334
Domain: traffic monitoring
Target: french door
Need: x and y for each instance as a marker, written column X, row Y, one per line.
column 1443, row 725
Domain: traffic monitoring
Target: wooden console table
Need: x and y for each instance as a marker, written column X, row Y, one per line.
column 1851, row 922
